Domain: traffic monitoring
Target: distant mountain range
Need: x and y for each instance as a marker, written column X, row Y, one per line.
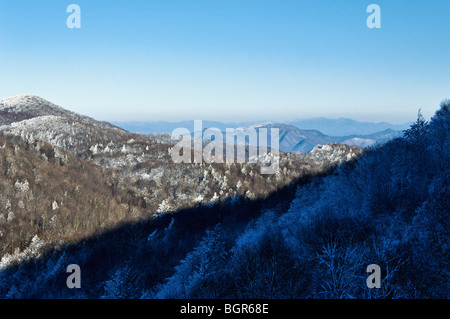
column 346, row 127
column 327, row 126
column 292, row 138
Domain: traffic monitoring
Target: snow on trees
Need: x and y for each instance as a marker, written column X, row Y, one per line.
column 164, row 207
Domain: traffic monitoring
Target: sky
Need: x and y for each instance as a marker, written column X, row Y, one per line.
column 229, row 60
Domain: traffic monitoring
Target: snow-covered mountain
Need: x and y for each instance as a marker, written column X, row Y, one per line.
column 37, row 118
column 145, row 163
column 27, row 106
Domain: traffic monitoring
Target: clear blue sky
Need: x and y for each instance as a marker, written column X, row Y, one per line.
column 229, row 59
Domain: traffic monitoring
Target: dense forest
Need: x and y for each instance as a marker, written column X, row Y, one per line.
column 311, row 239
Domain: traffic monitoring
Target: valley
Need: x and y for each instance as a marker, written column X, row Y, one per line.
column 74, row 190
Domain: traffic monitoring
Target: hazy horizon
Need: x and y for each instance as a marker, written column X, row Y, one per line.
column 145, row 118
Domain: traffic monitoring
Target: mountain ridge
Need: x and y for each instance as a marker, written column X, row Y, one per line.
column 293, row 139
column 328, row 126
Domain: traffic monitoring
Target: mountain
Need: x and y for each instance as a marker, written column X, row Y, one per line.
column 295, row 140
column 40, row 119
column 293, row 137
column 138, row 161
column 346, row 127
column 332, row 127
column 28, row 106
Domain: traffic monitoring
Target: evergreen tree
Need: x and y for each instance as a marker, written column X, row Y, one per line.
column 417, row 129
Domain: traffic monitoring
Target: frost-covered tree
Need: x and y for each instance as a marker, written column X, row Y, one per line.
column 164, row 207
column 198, row 275
column 122, row 285
column 214, row 200
column 417, row 129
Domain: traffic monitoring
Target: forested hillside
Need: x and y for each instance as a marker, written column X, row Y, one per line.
column 50, row 197
column 313, row 239
column 391, row 208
